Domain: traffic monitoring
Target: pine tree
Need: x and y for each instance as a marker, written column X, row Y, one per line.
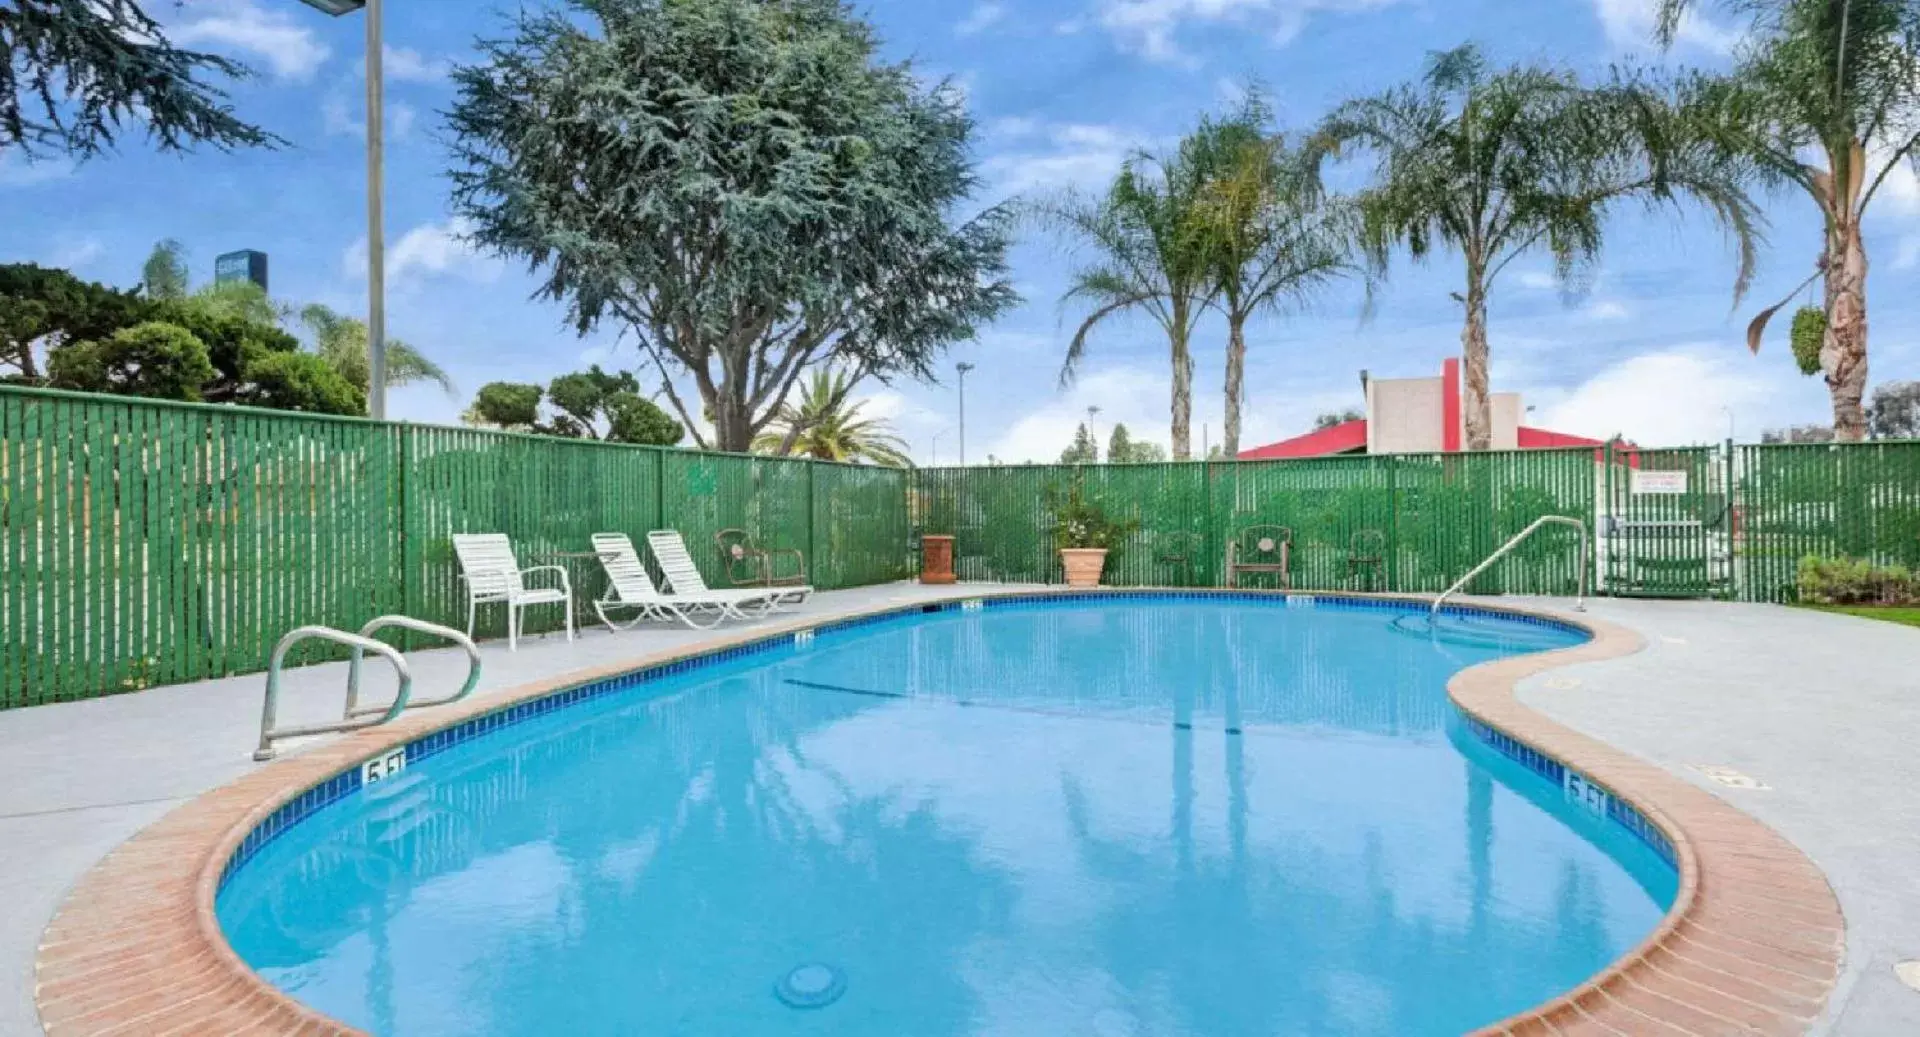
column 1084, row 450
column 74, row 75
column 1119, row 445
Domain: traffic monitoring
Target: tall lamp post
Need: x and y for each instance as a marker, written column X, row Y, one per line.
column 963, row 367
column 376, row 218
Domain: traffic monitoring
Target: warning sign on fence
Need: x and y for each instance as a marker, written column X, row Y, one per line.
column 1659, row 482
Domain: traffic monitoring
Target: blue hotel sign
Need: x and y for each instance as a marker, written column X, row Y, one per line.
column 244, row 265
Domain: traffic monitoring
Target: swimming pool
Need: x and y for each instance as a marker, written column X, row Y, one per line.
column 1108, row 815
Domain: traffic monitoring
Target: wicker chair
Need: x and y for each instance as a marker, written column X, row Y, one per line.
column 1367, row 553
column 1179, row 552
column 1259, row 550
column 750, row 565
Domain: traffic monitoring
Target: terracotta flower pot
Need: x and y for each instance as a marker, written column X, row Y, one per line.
column 1083, row 565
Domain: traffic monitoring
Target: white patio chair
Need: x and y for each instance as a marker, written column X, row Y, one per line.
column 629, row 586
column 493, row 576
column 687, row 583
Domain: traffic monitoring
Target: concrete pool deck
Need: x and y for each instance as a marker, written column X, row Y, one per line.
column 1756, row 688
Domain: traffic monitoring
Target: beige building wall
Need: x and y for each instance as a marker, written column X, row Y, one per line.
column 1506, row 421
column 1405, row 416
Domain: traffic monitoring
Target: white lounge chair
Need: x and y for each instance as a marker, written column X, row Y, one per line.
column 492, row 575
column 685, row 580
column 629, row 586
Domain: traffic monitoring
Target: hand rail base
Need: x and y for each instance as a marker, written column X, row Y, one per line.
column 1586, row 575
column 354, row 716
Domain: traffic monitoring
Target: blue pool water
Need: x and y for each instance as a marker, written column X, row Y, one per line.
column 1109, row 818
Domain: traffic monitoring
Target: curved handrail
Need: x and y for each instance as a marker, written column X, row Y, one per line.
column 268, row 710
column 420, row 626
column 1579, row 603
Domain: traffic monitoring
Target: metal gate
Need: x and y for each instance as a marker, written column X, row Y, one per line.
column 1666, row 523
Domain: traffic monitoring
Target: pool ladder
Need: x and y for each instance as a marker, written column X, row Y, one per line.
column 1579, row 603
column 355, row 716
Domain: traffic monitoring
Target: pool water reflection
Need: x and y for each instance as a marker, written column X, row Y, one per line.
column 1118, row 818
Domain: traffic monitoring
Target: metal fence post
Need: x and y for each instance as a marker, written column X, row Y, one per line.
column 813, row 505
column 1393, row 525
column 409, row 533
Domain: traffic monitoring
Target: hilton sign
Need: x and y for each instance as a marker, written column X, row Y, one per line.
column 244, row 265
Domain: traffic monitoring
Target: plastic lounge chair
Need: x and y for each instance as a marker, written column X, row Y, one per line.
column 493, row 576
column 630, row 586
column 690, row 587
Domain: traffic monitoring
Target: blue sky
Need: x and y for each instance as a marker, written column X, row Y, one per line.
column 1062, row 89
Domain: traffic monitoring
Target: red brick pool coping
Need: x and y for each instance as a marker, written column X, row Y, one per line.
column 1752, row 944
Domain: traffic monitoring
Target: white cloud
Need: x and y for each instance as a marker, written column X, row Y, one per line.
column 429, row 250
column 1671, row 398
column 406, row 65
column 337, row 118
column 1630, row 25
column 1151, row 27
column 1141, row 399
column 1908, row 257
column 1607, row 310
column 985, row 16
column 76, row 253
column 1049, row 157
column 1536, row 280
column 289, row 48
column 18, row 172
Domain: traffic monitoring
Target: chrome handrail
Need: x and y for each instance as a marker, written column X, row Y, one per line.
column 268, row 733
column 1579, row 603
column 420, row 626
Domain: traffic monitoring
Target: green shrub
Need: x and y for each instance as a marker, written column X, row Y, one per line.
column 1081, row 523
column 1845, row 581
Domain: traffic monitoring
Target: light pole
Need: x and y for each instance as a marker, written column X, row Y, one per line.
column 963, row 367
column 376, row 216
column 934, row 461
column 1093, row 433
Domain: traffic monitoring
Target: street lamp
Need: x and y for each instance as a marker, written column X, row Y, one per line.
column 963, row 367
column 376, row 220
column 934, row 462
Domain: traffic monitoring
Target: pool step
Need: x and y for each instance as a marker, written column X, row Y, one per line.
column 393, row 788
column 394, row 820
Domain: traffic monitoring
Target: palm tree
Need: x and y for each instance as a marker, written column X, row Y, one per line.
column 1825, row 97
column 342, row 342
column 826, row 427
column 1273, row 236
column 1496, row 165
column 1149, row 253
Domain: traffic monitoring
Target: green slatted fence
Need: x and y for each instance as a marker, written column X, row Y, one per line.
column 149, row 543
column 1860, row 501
column 145, row 542
column 1438, row 515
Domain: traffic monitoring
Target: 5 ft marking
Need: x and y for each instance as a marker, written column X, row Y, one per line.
column 381, row 768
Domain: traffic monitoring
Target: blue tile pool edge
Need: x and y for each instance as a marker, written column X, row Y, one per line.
column 310, row 801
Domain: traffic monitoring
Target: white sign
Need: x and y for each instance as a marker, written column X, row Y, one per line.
column 381, row 768
column 1585, row 794
column 1659, row 482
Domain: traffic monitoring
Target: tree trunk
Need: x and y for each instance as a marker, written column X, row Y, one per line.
column 1182, row 396
column 732, row 425
column 1236, row 376
column 1476, row 403
column 1843, row 355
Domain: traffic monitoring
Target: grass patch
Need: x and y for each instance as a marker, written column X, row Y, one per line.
column 1904, row 616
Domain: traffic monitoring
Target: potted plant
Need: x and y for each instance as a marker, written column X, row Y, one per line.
column 1085, row 536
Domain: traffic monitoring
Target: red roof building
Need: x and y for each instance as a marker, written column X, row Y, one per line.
column 1418, row 416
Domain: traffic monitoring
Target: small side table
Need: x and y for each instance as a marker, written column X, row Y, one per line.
column 936, row 560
